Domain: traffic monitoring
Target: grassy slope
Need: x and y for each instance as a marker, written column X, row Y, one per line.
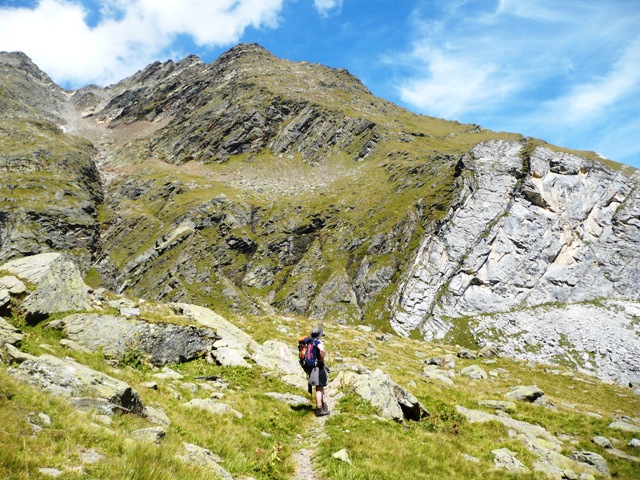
column 262, row 443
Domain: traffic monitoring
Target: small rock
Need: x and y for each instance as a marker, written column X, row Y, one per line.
column 586, row 476
column 13, row 285
column 91, row 456
column 216, row 408
column 545, row 402
column 104, row 419
column 625, row 427
column 150, row 385
column 591, row 458
column 635, row 443
column 470, row 458
column 489, row 352
column 191, row 387
column 50, row 472
column 474, row 372
column 468, row 354
column 569, row 475
column 506, row 459
column 342, row 455
column 445, row 361
column 130, row 312
column 149, row 435
column 604, row 442
column 168, row 374
column 195, row 455
column 156, row 415
column 524, row 393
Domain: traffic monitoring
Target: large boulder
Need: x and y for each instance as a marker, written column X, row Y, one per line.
column 67, row 378
column 235, row 337
column 59, row 284
column 9, row 334
column 274, row 355
column 161, row 343
column 393, row 402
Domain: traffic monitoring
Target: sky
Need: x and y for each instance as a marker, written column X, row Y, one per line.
column 567, row 72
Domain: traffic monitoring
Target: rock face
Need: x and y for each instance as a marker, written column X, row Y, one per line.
column 67, row 378
column 160, row 343
column 531, row 227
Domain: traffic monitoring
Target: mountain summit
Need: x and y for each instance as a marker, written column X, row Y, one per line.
column 255, row 185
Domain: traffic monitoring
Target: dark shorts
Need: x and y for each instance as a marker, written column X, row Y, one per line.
column 318, row 376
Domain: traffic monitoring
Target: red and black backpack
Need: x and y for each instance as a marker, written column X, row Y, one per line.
column 308, row 349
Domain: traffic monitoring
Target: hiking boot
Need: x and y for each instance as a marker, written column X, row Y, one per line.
column 321, row 412
column 325, row 407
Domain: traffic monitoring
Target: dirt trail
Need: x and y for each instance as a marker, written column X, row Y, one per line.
column 309, row 445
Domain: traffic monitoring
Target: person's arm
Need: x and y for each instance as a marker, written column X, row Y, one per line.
column 322, row 353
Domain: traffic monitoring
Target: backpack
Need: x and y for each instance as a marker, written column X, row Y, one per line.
column 308, row 351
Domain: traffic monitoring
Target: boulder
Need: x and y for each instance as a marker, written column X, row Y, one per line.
column 9, row 334
column 394, row 402
column 230, row 357
column 274, row 355
column 224, row 329
column 201, row 457
column 160, row 343
column 524, row 393
column 59, row 284
column 474, row 372
column 634, row 442
column 67, row 378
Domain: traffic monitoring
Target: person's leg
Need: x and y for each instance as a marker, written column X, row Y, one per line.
column 319, row 397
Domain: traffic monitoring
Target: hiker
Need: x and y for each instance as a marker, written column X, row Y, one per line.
column 312, row 355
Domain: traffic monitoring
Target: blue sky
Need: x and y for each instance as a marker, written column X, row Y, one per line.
column 564, row 71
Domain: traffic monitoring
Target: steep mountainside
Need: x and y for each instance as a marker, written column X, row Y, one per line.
column 258, row 184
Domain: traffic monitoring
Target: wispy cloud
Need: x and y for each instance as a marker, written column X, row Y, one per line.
column 543, row 66
column 326, row 7
column 125, row 35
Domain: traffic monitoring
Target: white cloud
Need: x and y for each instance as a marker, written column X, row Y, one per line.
column 584, row 101
column 326, row 7
column 567, row 72
column 128, row 35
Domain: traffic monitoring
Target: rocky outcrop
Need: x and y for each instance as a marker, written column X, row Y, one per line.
column 59, row 285
column 67, row 378
column 117, row 337
column 531, row 226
